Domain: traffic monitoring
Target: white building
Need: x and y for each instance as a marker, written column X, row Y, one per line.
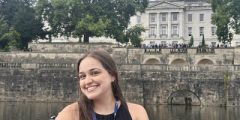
column 174, row 21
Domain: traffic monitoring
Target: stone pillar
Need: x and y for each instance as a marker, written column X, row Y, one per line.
column 181, row 21
column 169, row 25
column 157, row 23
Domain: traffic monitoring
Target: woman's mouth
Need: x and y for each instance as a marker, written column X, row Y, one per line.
column 92, row 88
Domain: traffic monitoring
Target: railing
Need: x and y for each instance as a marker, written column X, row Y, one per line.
column 139, row 67
column 36, row 65
column 153, row 50
column 178, row 50
column 10, row 65
column 205, row 50
column 164, row 67
column 56, row 65
column 169, row 68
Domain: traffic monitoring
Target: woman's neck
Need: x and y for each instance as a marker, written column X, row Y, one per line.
column 105, row 105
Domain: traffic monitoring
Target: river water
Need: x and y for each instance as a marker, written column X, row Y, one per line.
column 43, row 111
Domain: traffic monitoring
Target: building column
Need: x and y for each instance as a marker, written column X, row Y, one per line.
column 181, row 21
column 157, row 23
column 169, row 24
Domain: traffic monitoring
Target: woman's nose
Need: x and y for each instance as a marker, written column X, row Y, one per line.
column 88, row 79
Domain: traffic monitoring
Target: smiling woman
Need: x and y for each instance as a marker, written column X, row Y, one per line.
column 100, row 94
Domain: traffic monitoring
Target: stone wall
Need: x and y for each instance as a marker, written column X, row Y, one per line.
column 47, row 75
column 205, row 83
column 38, row 82
column 67, row 47
column 144, row 84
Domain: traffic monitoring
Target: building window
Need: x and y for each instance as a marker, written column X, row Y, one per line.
column 189, row 17
column 163, row 43
column 163, row 30
column 152, row 42
column 201, row 17
column 163, row 17
column 189, row 31
column 152, row 17
column 213, row 31
column 152, row 31
column 138, row 19
column 174, row 29
column 213, row 44
column 174, row 16
column 201, row 29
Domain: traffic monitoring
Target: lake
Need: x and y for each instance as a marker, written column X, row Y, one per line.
column 43, row 111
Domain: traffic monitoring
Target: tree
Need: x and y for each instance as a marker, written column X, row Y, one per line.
column 226, row 17
column 234, row 14
column 203, row 42
column 226, row 79
column 191, row 42
column 90, row 27
column 9, row 39
column 3, row 26
column 133, row 35
column 8, row 36
column 88, row 18
column 20, row 15
column 56, row 15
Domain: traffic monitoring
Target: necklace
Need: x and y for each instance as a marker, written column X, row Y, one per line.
column 115, row 112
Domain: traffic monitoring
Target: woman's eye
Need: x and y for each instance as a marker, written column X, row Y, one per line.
column 94, row 73
column 82, row 77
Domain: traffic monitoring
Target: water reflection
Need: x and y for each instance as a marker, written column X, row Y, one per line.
column 43, row 111
column 28, row 110
column 182, row 112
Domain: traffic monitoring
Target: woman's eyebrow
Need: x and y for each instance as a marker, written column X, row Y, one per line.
column 94, row 69
column 90, row 70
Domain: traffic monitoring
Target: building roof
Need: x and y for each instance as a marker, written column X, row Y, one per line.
column 165, row 4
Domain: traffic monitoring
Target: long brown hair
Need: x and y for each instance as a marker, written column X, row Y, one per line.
column 86, row 105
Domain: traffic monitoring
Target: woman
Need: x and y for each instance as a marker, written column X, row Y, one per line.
column 100, row 94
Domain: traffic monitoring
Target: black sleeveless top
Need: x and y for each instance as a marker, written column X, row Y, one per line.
column 122, row 114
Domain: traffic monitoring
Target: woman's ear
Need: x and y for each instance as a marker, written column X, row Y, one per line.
column 113, row 78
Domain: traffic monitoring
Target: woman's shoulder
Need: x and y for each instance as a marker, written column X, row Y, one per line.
column 137, row 111
column 70, row 112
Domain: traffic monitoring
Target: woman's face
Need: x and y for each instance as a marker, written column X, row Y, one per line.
column 95, row 81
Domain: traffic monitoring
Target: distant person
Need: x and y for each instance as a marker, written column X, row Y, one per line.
column 100, row 94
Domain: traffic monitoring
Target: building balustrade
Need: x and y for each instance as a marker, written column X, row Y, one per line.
column 56, row 65
column 152, row 35
column 181, row 50
column 205, row 50
column 10, row 65
column 178, row 50
column 152, row 50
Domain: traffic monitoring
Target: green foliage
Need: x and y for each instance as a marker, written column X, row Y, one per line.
column 226, row 79
column 89, row 18
column 203, row 42
column 191, row 42
column 234, row 14
column 89, row 26
column 133, row 34
column 9, row 39
column 20, row 15
column 3, row 26
column 226, row 16
column 56, row 13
